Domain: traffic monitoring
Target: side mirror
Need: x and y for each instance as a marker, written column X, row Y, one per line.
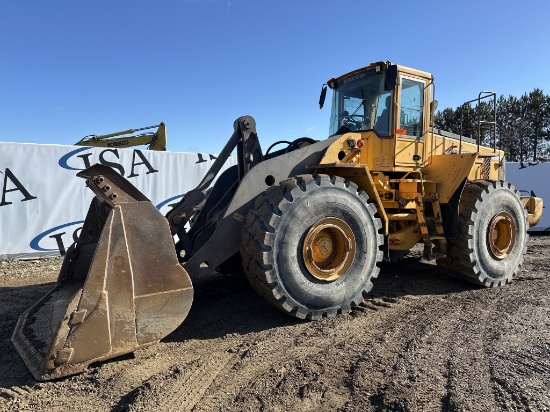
column 322, row 96
column 391, row 78
column 433, row 106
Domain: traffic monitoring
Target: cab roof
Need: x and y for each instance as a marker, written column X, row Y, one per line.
column 383, row 66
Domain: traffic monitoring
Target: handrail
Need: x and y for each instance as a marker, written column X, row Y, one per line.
column 492, row 124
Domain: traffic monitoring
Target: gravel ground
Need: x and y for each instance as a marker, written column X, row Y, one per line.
column 421, row 342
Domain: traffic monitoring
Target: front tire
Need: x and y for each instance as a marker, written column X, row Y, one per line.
column 311, row 246
column 492, row 235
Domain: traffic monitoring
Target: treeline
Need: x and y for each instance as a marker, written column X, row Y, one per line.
column 522, row 124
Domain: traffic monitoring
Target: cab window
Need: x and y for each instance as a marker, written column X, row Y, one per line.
column 383, row 114
column 412, row 103
column 360, row 103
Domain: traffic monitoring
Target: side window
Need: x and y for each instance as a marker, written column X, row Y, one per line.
column 412, row 103
column 383, row 114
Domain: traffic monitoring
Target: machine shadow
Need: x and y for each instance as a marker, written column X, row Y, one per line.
column 227, row 304
column 13, row 302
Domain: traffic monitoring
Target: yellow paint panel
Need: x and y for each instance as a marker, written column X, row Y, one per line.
column 450, row 170
column 407, row 149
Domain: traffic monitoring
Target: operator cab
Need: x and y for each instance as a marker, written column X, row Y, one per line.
column 363, row 100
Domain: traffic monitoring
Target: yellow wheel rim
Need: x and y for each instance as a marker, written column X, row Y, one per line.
column 502, row 234
column 329, row 248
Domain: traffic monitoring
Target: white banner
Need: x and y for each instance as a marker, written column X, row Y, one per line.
column 43, row 204
column 530, row 177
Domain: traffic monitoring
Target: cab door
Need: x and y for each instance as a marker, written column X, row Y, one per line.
column 409, row 142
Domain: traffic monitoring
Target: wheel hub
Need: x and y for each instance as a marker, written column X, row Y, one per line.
column 502, row 234
column 329, row 248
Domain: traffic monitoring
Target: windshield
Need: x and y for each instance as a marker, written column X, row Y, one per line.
column 360, row 103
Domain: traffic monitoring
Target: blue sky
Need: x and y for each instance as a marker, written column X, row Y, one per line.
column 80, row 67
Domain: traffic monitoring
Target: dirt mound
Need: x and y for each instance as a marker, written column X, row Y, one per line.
column 422, row 341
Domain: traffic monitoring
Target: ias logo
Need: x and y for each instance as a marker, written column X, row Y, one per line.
column 84, row 157
column 58, row 237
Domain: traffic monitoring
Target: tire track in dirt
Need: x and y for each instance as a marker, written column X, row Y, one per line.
column 15, row 392
column 516, row 356
column 350, row 335
column 469, row 366
column 252, row 358
column 457, row 336
column 197, row 363
column 179, row 389
column 391, row 372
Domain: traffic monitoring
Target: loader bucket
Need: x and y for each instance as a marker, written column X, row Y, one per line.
column 120, row 287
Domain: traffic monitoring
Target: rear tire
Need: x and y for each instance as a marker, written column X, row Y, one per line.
column 311, row 246
column 492, row 235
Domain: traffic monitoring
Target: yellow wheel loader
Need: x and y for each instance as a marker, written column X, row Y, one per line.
column 310, row 223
